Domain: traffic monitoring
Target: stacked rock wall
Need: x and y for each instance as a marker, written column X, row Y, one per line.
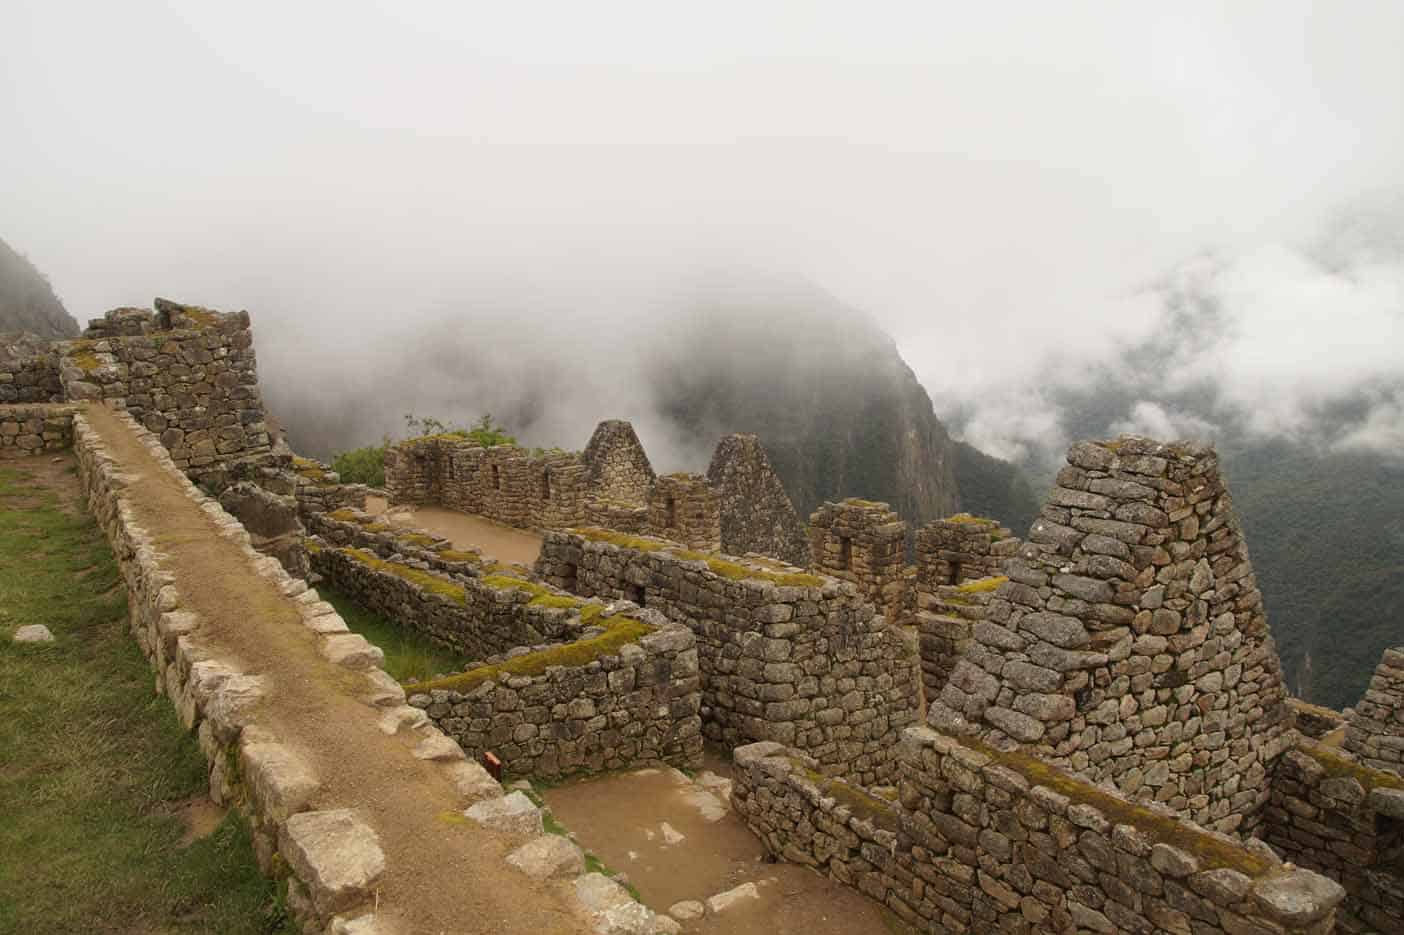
column 28, row 370
column 476, row 617
column 945, row 618
column 784, row 656
column 756, row 513
column 961, row 548
column 331, row 858
column 548, row 713
column 1375, row 729
column 617, row 467
column 36, row 428
column 865, row 543
column 684, row 508
column 1130, row 643
column 987, row 842
column 1346, row 822
column 186, row 373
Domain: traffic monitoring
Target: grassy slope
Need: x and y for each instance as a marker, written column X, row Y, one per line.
column 92, row 762
column 407, row 654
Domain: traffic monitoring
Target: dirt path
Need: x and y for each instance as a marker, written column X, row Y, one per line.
column 465, row 531
column 443, row 876
column 622, row 819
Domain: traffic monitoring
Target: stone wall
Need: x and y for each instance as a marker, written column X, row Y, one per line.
column 558, row 710
column 330, row 857
column 987, row 842
column 186, row 373
column 784, row 656
column 617, row 467
column 476, row 617
column 1375, row 729
column 1130, row 643
column 36, row 428
column 756, row 512
column 961, row 548
column 945, row 617
column 357, row 529
column 684, row 508
column 28, row 370
column 1344, row 821
column 865, row 543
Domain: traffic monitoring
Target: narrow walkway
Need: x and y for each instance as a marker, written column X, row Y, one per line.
column 444, row 876
column 465, row 530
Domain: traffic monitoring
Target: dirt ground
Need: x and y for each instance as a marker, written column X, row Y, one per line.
column 632, row 821
column 465, row 531
column 444, row 875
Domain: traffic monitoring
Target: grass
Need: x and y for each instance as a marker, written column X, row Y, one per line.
column 429, row 582
column 408, row 655
column 983, row 585
column 92, row 763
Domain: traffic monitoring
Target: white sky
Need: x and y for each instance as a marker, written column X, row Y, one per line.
column 996, row 183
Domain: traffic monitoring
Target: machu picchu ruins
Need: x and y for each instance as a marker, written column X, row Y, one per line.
column 1079, row 727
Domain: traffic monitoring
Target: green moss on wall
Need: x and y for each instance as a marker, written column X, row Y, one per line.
column 619, row 632
column 423, row 579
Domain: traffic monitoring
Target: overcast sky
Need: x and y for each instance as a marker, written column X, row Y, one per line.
column 1007, row 187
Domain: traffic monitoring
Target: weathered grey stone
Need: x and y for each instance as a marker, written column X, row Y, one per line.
column 513, row 813
column 279, row 779
column 732, row 897
column 33, row 633
column 548, row 857
column 687, row 910
column 335, row 855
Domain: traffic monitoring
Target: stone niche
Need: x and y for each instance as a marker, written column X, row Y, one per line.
column 756, row 512
column 684, row 508
column 865, row 543
column 1130, row 644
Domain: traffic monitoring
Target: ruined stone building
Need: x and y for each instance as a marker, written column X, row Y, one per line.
column 1083, row 730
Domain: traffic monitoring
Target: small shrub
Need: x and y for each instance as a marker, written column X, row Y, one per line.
column 362, row 465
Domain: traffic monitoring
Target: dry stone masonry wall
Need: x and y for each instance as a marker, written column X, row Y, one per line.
column 756, row 514
column 988, row 842
column 553, row 711
column 865, row 543
column 784, row 656
column 684, row 508
column 961, row 548
column 32, row 429
column 1345, row 821
column 186, row 373
column 1375, row 729
column 1130, row 643
column 28, row 370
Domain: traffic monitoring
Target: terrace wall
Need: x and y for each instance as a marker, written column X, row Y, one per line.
column 36, row 428
column 28, row 370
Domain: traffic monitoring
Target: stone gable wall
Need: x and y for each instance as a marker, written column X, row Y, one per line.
column 617, row 467
column 981, row 843
column 186, row 373
column 28, row 370
column 756, row 514
column 1375, row 728
column 961, row 548
column 1346, row 822
column 1130, row 644
column 810, row 664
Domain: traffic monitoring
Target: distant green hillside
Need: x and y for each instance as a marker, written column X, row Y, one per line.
column 27, row 301
column 1326, row 534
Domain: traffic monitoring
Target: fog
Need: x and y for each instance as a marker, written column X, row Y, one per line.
column 1199, row 203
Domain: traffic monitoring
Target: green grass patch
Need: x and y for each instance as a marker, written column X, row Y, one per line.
column 970, row 519
column 408, row 655
column 983, row 585
column 93, row 765
column 1339, row 766
column 733, row 571
column 619, row 632
column 621, row 539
